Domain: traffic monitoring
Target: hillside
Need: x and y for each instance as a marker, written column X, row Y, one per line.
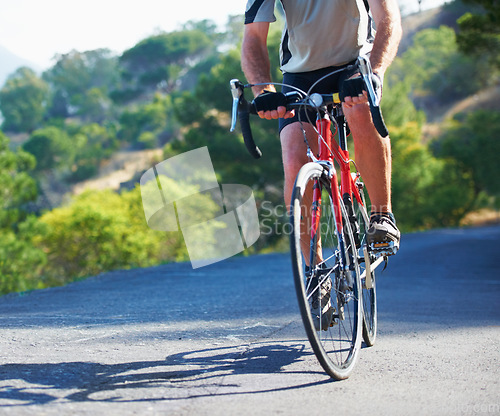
column 10, row 62
column 427, row 19
column 447, row 15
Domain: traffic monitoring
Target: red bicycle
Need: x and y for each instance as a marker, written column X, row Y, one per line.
column 333, row 266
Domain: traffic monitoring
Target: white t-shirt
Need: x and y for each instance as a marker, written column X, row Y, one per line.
column 317, row 33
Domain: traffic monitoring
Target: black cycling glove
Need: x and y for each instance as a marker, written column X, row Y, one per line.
column 355, row 86
column 268, row 101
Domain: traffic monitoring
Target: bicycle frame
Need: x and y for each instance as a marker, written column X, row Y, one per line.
column 330, row 151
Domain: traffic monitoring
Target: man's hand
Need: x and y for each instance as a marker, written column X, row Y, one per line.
column 353, row 91
column 272, row 105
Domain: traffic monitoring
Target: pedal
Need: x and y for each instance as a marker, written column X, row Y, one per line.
column 385, row 248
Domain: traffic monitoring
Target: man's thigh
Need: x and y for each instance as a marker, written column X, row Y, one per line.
column 295, row 139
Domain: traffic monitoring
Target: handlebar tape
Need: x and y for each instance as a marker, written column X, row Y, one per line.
column 378, row 121
column 244, row 111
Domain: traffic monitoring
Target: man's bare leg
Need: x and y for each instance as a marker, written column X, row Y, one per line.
column 294, row 153
column 373, row 156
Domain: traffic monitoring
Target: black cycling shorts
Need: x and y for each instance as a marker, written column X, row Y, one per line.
column 304, row 81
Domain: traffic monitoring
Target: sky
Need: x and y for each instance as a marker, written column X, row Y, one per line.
column 36, row 30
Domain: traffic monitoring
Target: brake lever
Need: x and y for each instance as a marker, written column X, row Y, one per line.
column 365, row 70
column 237, row 92
column 374, row 99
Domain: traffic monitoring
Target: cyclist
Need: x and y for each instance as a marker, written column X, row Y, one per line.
column 321, row 36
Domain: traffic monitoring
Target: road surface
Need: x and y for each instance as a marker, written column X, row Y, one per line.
column 227, row 340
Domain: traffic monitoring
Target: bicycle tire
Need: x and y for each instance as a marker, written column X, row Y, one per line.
column 369, row 294
column 337, row 347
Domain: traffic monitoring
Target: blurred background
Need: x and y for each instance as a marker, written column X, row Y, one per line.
column 92, row 96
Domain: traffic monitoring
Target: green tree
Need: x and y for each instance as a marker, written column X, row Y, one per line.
column 17, row 187
column 157, row 62
column 92, row 143
column 153, row 121
column 51, row 147
column 80, row 83
column 473, row 143
column 95, row 105
column 436, row 70
column 479, row 33
column 426, row 192
column 206, row 114
column 22, row 101
column 100, row 231
column 20, row 261
column 397, row 107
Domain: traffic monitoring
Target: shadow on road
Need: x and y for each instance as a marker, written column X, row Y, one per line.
column 192, row 374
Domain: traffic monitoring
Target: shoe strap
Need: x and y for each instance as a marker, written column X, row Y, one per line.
column 376, row 216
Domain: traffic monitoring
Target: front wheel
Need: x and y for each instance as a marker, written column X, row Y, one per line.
column 326, row 273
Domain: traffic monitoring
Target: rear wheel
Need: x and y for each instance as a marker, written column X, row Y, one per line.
column 328, row 288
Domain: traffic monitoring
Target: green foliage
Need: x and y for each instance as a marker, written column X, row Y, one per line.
column 158, row 60
column 92, row 143
column 212, row 89
column 148, row 124
column 51, row 147
column 80, row 82
column 474, row 143
column 95, row 105
column 427, row 192
column 397, row 107
column 16, row 186
column 479, row 33
column 435, row 68
column 206, row 111
column 102, row 231
column 22, row 101
column 20, row 261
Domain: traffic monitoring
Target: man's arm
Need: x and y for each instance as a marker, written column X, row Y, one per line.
column 256, row 64
column 388, row 24
column 385, row 45
column 255, row 56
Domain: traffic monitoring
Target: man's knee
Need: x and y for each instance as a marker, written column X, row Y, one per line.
column 361, row 125
column 358, row 115
column 293, row 147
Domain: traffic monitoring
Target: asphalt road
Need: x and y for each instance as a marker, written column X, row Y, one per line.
column 227, row 339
